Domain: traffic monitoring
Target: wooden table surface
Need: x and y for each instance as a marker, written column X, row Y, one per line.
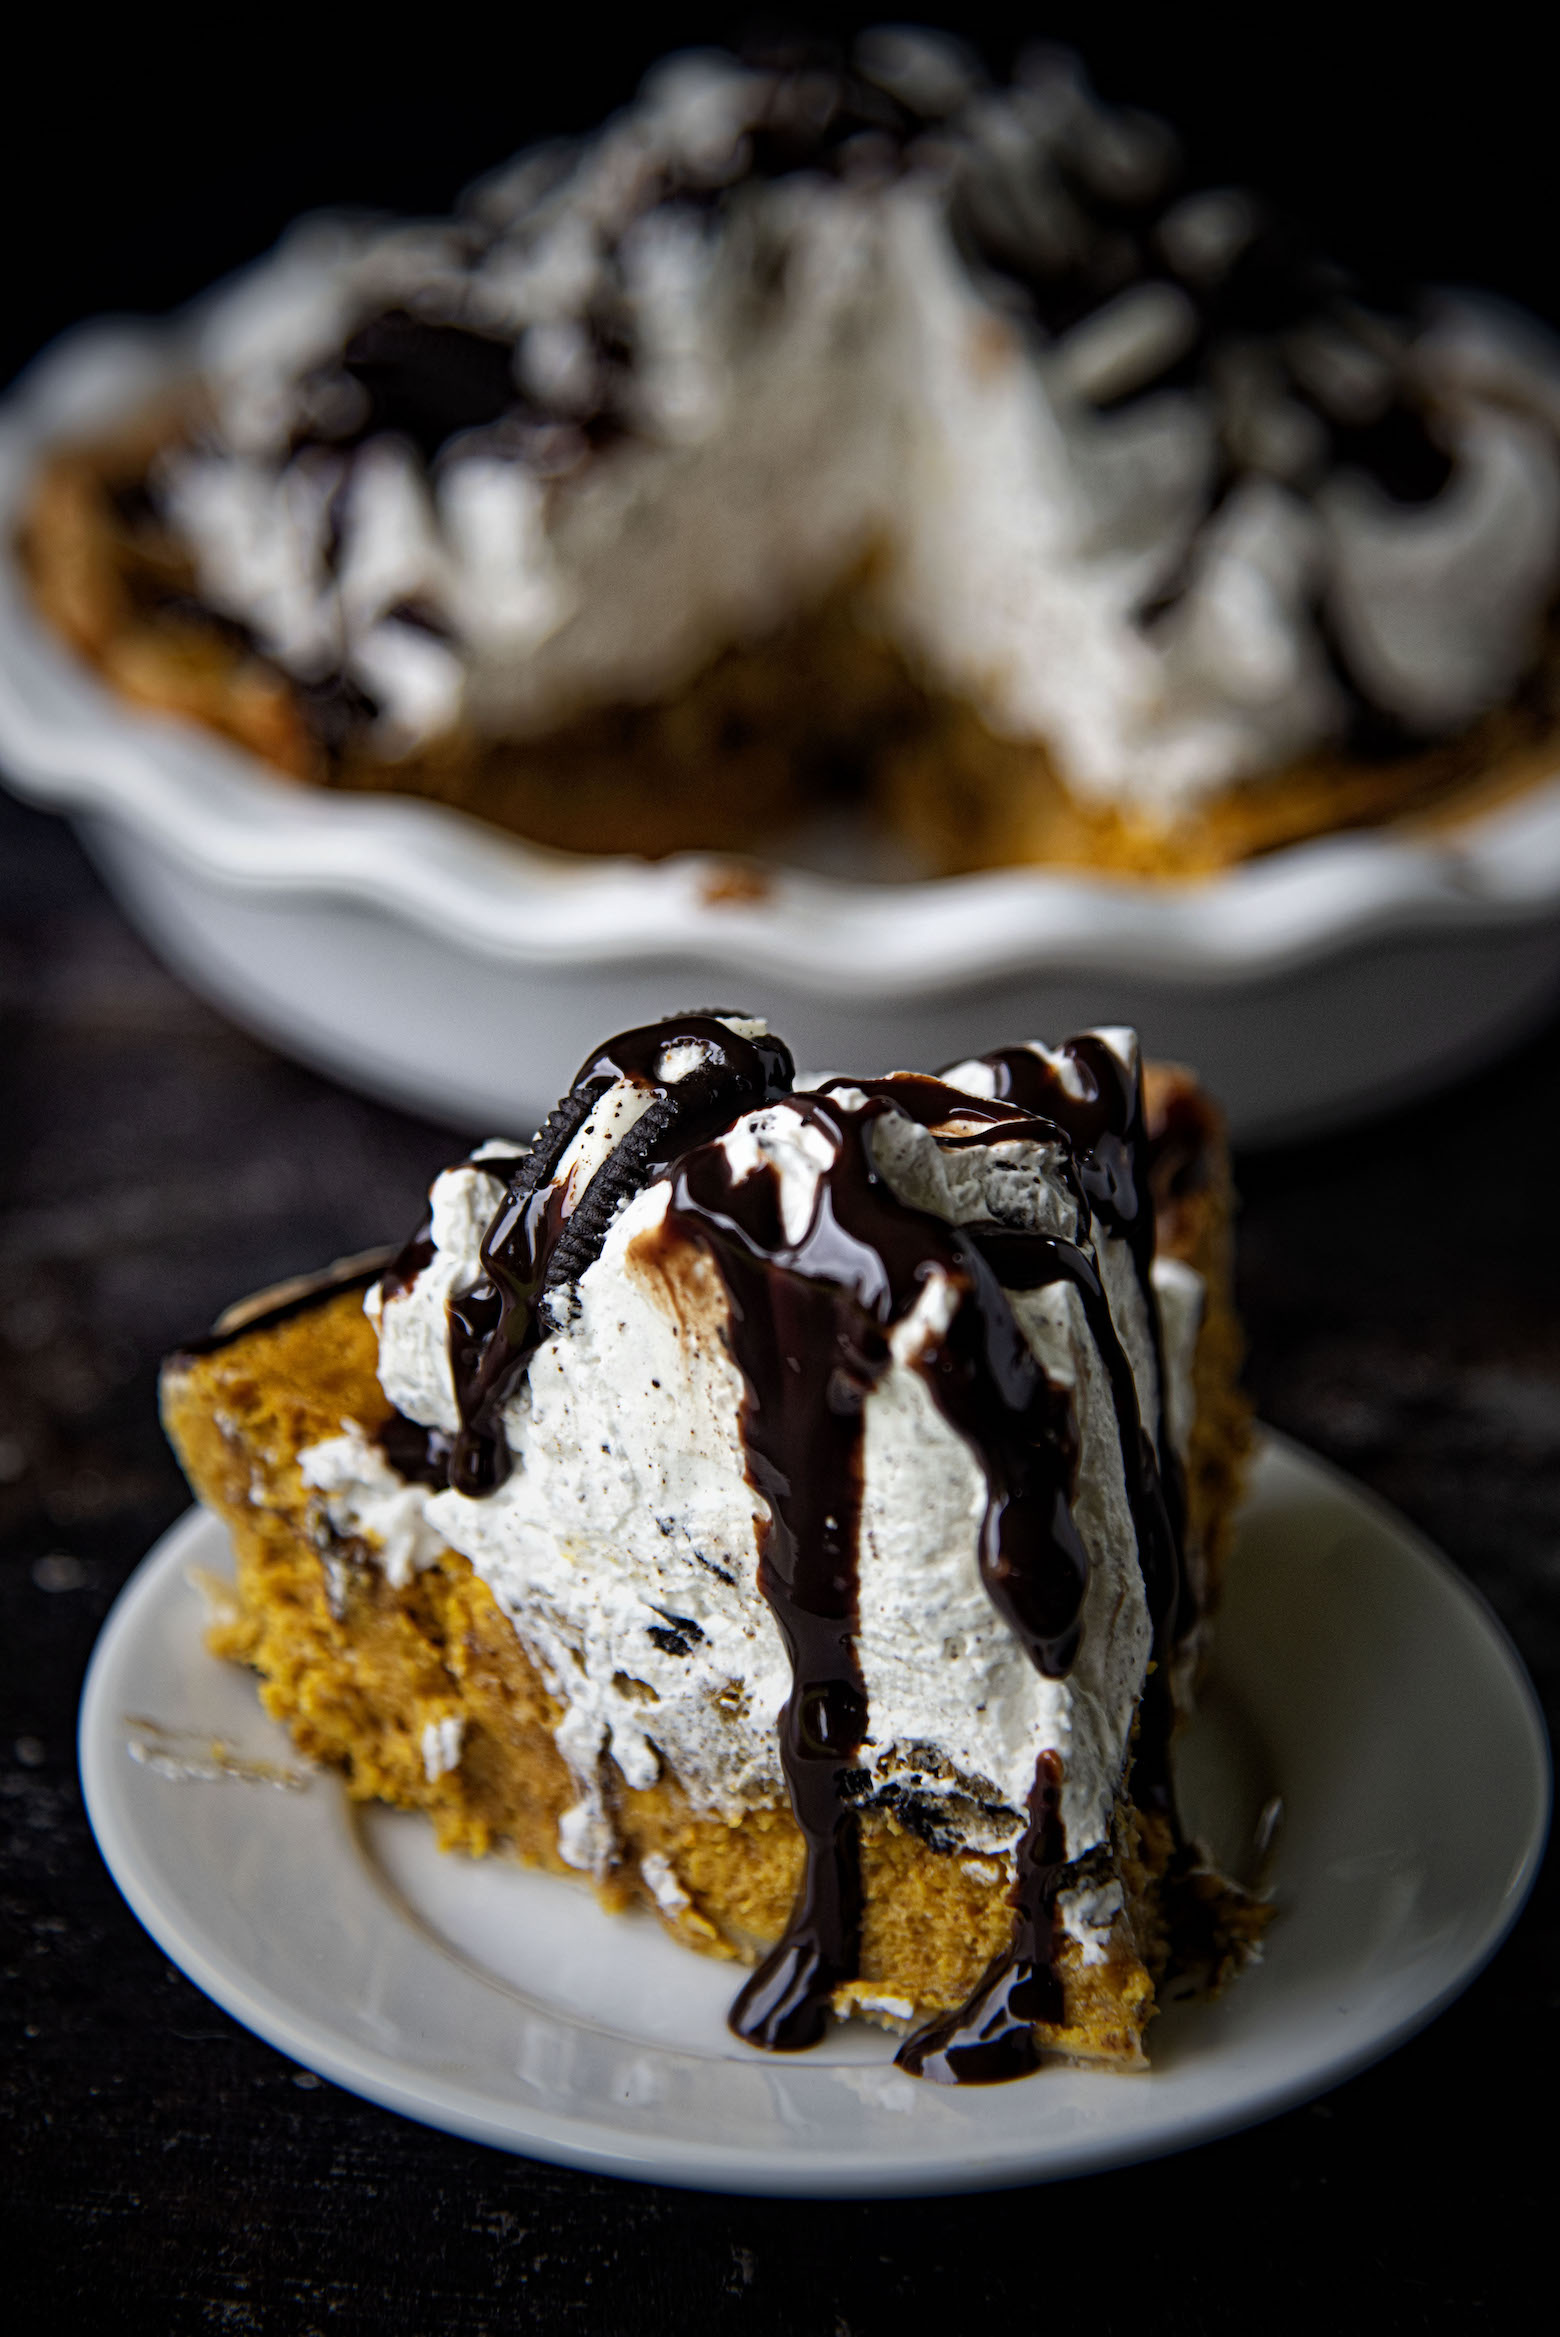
column 167, row 2171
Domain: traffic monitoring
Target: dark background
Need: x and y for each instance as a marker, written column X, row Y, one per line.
column 146, row 155
column 164, row 2170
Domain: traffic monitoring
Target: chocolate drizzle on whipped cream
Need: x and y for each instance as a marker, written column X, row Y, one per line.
column 689, row 1077
column 811, row 1321
column 811, row 1324
column 1094, row 1100
column 816, row 1314
column 807, row 1329
column 1084, row 1087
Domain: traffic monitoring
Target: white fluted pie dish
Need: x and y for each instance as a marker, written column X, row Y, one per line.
column 448, row 967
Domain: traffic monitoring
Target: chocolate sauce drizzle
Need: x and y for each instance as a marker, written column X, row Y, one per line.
column 810, row 1325
column 427, row 381
column 992, row 2037
column 1099, row 1110
column 546, row 1231
column 1100, row 1115
column 810, row 1343
column 420, row 1455
column 810, row 1330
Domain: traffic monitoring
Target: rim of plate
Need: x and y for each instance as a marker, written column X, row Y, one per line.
column 997, row 2162
column 70, row 743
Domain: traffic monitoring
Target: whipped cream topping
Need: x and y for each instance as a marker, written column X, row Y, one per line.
column 572, row 474
column 365, row 1498
column 628, row 1504
column 627, row 1533
column 1147, row 482
column 442, row 1742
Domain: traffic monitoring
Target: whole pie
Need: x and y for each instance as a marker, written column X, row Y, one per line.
column 828, row 431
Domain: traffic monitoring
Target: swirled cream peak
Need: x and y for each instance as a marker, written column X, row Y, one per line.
column 1142, row 478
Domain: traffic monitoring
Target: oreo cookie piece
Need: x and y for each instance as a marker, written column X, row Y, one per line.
column 539, row 1244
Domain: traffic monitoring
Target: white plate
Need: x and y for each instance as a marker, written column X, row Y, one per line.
column 404, row 946
column 1356, row 1672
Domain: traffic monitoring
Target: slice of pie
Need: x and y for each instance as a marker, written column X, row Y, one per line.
column 799, row 1510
